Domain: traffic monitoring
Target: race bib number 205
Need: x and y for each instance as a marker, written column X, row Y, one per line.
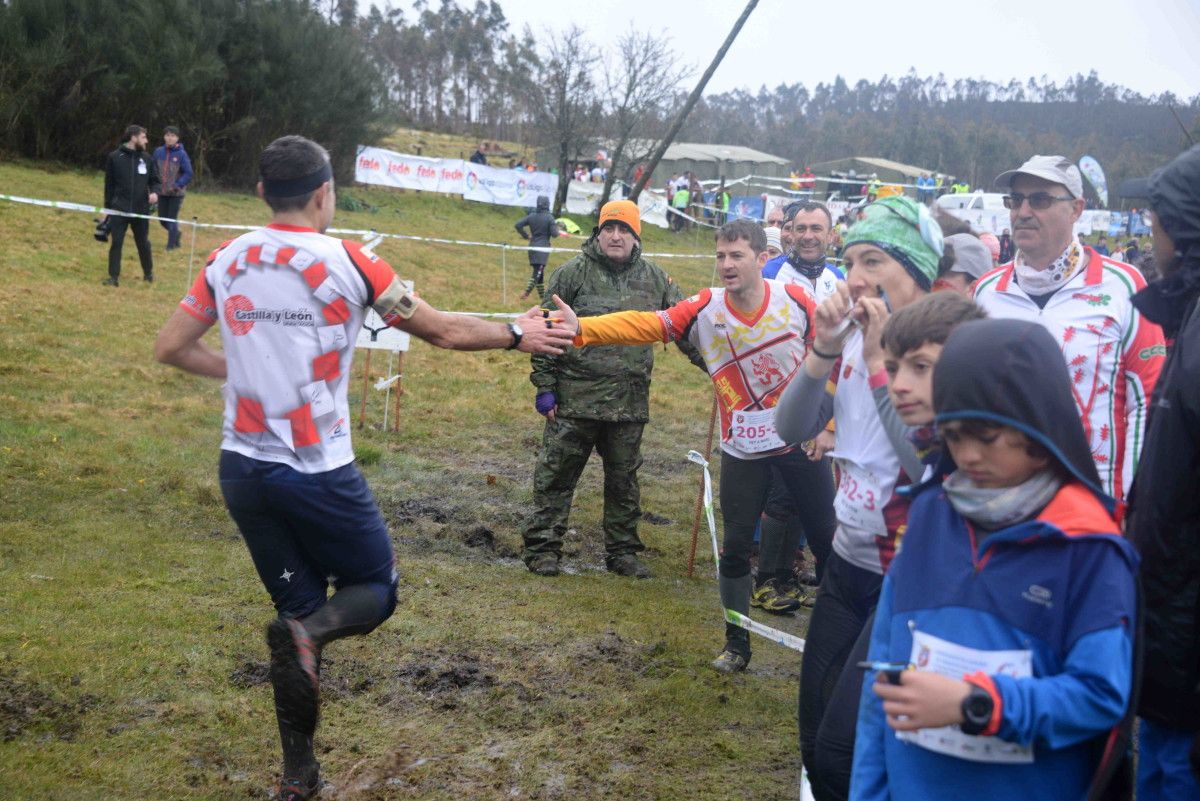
column 754, row 432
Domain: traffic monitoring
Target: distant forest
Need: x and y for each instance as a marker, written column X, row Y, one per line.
column 969, row 128
column 234, row 74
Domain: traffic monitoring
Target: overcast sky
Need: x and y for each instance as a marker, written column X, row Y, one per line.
column 1150, row 46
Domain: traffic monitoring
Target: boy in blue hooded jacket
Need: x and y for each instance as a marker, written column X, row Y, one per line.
column 1011, row 604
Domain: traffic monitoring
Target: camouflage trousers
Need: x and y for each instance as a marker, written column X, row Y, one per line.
column 566, row 446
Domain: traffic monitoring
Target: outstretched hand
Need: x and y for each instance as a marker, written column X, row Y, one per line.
column 543, row 333
column 567, row 316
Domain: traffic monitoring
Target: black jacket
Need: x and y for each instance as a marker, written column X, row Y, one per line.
column 1164, row 525
column 126, row 186
column 1164, row 517
column 542, row 228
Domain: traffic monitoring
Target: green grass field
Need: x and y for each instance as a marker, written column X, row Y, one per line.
column 132, row 663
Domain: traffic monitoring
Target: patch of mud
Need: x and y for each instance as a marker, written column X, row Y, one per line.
column 480, row 537
column 28, row 706
column 340, row 677
column 657, row 520
column 410, row 510
column 447, row 674
column 610, row 648
column 250, row 673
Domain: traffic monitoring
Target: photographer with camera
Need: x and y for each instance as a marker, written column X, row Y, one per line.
column 131, row 184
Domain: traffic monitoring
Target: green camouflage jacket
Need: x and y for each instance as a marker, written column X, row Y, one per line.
column 606, row 382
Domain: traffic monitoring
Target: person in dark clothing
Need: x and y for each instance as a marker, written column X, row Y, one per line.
column 478, row 156
column 1006, row 247
column 1132, row 251
column 131, row 184
column 175, row 171
column 1164, row 516
column 538, row 227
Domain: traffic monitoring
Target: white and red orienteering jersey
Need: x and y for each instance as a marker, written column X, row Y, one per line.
column 750, row 359
column 290, row 302
column 820, row 288
column 871, row 515
column 1113, row 354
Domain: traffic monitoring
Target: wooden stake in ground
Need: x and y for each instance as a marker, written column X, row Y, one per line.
column 691, row 101
column 362, row 410
column 712, row 426
column 399, row 390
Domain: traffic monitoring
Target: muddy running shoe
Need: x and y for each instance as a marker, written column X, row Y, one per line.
column 294, row 673
column 627, row 564
column 299, row 789
column 772, row 597
column 793, row 589
column 111, row 282
column 544, row 564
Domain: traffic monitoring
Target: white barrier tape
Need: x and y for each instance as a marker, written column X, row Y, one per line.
column 859, row 180
column 737, row 618
column 696, row 458
column 774, row 635
column 689, row 217
column 67, row 206
column 385, row 383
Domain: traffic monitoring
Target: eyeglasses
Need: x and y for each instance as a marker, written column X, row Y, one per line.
column 1038, row 200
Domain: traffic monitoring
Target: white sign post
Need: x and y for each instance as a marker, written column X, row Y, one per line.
column 377, row 335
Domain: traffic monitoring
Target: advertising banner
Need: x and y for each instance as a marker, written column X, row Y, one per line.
column 507, row 187
column 387, row 168
column 1092, row 171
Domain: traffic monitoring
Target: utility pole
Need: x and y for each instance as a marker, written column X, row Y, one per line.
column 691, row 101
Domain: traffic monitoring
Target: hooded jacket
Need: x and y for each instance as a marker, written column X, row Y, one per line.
column 1164, row 518
column 1058, row 590
column 541, row 229
column 606, row 382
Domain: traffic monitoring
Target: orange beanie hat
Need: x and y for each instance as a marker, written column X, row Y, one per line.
column 622, row 211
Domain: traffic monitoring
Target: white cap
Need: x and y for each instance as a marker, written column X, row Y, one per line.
column 1056, row 169
column 773, row 240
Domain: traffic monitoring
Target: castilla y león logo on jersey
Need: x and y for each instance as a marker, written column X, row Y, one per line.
column 236, row 306
column 766, row 368
column 240, row 315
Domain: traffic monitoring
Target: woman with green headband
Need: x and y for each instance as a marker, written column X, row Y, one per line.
column 891, row 260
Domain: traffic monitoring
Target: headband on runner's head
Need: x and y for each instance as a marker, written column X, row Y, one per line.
column 292, row 187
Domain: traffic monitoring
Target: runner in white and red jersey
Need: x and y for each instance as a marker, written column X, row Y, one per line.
column 1084, row 299
column 290, row 302
column 753, row 334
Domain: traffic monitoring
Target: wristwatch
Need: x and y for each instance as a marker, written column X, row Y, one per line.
column 977, row 710
column 517, row 333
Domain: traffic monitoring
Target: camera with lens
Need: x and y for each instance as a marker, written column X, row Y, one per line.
column 102, row 229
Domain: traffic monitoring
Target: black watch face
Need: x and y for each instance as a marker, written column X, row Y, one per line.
column 979, row 708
